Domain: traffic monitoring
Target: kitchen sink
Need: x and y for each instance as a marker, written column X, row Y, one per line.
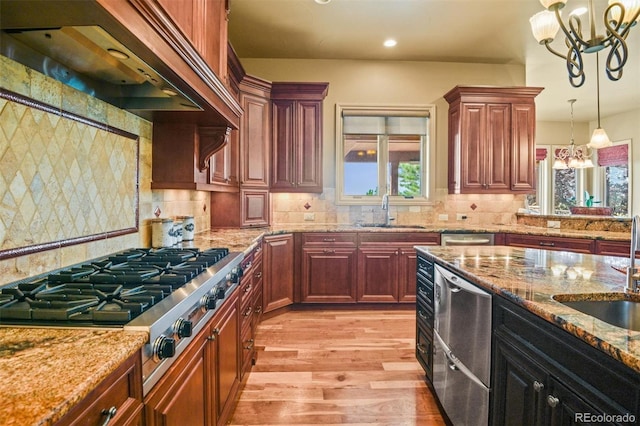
column 619, row 309
column 383, row 225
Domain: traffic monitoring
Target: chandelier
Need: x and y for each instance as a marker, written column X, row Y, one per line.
column 618, row 18
column 573, row 157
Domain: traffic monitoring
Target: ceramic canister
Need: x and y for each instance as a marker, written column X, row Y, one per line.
column 161, row 232
column 188, row 227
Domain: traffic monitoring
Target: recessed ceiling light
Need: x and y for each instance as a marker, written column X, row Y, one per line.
column 323, row 1
column 390, row 42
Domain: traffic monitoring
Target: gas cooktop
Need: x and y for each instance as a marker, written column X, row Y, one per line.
column 109, row 291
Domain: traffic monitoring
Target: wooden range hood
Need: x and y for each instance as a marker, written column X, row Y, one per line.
column 145, row 30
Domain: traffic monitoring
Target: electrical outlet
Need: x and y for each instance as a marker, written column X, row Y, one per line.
column 443, row 217
column 309, row 216
column 555, row 224
column 461, row 216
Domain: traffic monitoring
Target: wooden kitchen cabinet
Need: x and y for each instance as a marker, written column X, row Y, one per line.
column 200, row 387
column 250, row 206
column 296, row 154
column 387, row 265
column 204, row 23
column 491, row 139
column 544, row 375
column 251, row 306
column 121, row 391
column 182, row 153
column 277, row 288
column 329, row 269
column 578, row 245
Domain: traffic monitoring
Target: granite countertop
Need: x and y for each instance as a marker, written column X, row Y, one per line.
column 531, row 277
column 44, row 372
column 244, row 239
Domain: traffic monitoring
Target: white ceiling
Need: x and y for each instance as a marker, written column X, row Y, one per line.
column 478, row 31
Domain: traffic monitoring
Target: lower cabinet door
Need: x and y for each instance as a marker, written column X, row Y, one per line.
column 182, row 396
column 520, row 387
column 328, row 275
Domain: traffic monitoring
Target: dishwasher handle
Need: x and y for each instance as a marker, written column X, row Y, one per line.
column 454, row 363
column 456, row 284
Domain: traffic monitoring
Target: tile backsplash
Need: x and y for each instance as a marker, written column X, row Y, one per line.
column 60, row 155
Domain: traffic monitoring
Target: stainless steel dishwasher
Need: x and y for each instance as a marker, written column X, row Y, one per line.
column 462, row 348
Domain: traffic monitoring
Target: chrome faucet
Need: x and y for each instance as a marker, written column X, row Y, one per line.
column 385, row 207
column 632, row 272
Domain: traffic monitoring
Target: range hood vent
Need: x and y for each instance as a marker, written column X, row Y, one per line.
column 89, row 59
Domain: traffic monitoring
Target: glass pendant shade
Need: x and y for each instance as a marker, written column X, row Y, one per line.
column 599, row 139
column 631, row 8
column 544, row 26
column 559, row 164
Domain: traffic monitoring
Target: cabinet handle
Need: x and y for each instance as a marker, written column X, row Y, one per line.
column 547, row 244
column 248, row 311
column 109, row 413
column 249, row 344
column 552, row 401
column 422, row 315
column 327, row 251
column 329, row 240
column 537, row 386
column 213, row 334
column 258, row 274
column 247, row 288
column 258, row 309
column 420, row 349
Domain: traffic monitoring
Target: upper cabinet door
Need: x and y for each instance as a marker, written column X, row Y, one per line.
column 491, row 139
column 254, row 142
column 296, row 161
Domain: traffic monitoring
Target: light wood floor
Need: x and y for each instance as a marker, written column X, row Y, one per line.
column 337, row 368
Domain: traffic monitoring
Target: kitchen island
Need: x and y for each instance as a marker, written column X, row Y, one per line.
column 531, row 277
column 550, row 363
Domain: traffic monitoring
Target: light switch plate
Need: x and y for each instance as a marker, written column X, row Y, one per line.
column 443, row 217
column 309, row 216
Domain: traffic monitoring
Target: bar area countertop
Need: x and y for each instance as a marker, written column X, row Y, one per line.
column 44, row 372
column 531, row 277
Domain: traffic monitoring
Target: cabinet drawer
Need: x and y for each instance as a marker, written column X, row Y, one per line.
column 121, row 391
column 327, row 238
column 425, row 268
column 409, row 238
column 424, row 350
column 579, row 245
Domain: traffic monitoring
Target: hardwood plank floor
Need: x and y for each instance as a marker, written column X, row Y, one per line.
column 337, row 367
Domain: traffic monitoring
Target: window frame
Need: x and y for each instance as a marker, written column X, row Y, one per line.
column 427, row 155
column 599, row 178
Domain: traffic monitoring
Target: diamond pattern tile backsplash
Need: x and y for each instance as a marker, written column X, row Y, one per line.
column 62, row 178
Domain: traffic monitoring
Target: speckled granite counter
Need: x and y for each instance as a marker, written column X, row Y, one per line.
column 44, row 372
column 241, row 239
column 530, row 277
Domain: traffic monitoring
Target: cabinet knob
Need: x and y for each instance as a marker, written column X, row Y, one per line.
column 420, row 349
column 537, row 386
column 109, row 414
column 249, row 344
column 552, row 401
